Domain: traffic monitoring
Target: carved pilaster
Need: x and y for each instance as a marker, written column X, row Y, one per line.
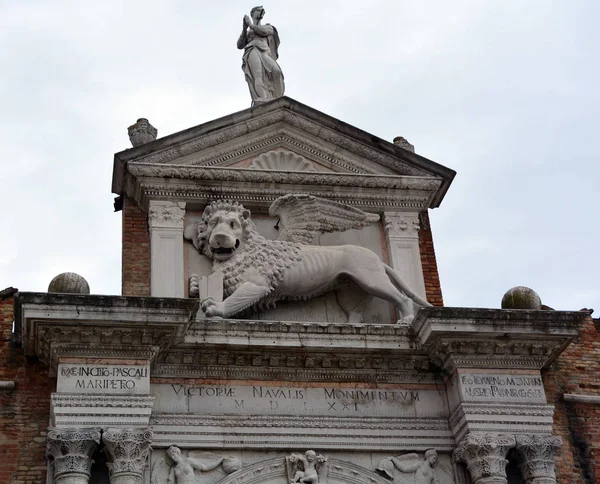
column 537, row 455
column 128, row 451
column 69, row 453
column 166, row 248
column 485, row 456
column 402, row 238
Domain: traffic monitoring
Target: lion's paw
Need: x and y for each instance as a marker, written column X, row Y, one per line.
column 212, row 309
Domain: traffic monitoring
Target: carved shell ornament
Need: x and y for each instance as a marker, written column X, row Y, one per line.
column 281, row 160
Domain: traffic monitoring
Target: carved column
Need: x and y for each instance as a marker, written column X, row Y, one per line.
column 128, row 451
column 69, row 453
column 166, row 248
column 402, row 237
column 537, row 454
column 485, row 456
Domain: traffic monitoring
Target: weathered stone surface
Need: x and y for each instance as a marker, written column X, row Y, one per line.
column 69, row 282
column 103, row 379
column 521, row 297
column 141, row 132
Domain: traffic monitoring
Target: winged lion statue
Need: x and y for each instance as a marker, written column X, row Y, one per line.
column 258, row 272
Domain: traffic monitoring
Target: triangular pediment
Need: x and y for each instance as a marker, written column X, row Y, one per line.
column 283, row 135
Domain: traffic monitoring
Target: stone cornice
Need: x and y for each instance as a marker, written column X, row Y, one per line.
column 582, row 398
column 479, row 338
column 200, row 184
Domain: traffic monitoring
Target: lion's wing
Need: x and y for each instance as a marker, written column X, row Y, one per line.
column 304, row 216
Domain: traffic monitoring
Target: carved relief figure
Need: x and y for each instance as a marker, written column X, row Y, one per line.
column 412, row 469
column 309, row 468
column 258, row 272
column 176, row 468
column 259, row 62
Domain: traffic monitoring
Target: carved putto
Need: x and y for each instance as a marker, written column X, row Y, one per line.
column 177, row 468
column 413, row 469
column 258, row 272
column 307, row 468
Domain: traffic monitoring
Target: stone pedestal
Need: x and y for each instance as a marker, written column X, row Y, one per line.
column 70, row 452
column 166, row 247
column 537, row 455
column 128, row 451
column 485, row 456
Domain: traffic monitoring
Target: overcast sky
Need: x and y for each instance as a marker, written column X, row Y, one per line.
column 505, row 92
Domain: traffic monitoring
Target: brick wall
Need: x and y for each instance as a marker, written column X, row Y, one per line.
column 25, row 411
column 433, row 290
column 577, row 371
column 136, row 251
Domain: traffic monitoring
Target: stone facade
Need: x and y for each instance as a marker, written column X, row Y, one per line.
column 153, row 390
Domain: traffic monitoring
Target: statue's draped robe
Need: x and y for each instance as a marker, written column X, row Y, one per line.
column 264, row 50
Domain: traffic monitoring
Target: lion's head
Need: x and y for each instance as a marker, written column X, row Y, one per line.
column 224, row 228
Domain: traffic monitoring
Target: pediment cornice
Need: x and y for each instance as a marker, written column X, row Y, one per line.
column 283, row 124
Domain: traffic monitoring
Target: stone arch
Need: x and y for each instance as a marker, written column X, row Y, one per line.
column 273, row 471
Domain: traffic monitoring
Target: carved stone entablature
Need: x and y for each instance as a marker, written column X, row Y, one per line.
column 537, row 454
column 401, row 225
column 146, row 182
column 485, row 456
column 99, row 326
column 282, row 160
column 506, row 417
column 380, row 366
column 484, row 338
column 127, row 451
column 69, row 453
column 165, row 214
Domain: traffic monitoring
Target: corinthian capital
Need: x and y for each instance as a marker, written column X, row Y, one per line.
column 537, row 455
column 128, row 451
column 69, row 452
column 165, row 214
column 401, row 225
column 485, row 456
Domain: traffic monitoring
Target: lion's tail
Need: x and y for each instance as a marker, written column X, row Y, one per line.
column 400, row 284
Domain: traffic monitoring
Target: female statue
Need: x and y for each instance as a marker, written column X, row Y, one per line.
column 259, row 62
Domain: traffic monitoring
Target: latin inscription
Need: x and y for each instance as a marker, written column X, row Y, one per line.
column 503, row 387
column 87, row 378
column 260, row 399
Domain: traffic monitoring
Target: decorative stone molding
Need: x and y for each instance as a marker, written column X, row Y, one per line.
column 281, row 160
column 69, row 453
column 401, row 225
column 128, row 451
column 537, row 453
column 485, row 456
column 164, row 214
column 581, row 398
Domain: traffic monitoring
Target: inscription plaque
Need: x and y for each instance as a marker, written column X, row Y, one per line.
column 103, row 378
column 275, row 400
column 502, row 387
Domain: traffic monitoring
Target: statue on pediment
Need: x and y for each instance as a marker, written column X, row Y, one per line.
column 259, row 62
column 413, row 469
column 258, row 272
column 193, row 468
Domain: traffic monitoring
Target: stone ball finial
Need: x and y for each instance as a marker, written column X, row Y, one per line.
column 521, row 297
column 141, row 132
column 403, row 143
column 69, row 282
